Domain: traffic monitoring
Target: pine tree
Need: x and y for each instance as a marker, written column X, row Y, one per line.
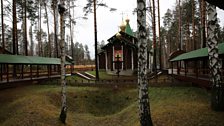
column 154, row 36
column 48, row 29
column 3, row 34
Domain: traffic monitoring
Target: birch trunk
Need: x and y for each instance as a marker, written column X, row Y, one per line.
column 144, row 107
column 217, row 96
column 61, row 8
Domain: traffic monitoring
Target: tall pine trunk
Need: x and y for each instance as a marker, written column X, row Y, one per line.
column 31, row 38
column 95, row 34
column 202, row 31
column 202, row 16
column 154, row 36
column 40, row 31
column 3, row 34
column 217, row 96
column 193, row 25
column 180, row 28
column 48, row 31
column 144, row 107
column 61, row 9
column 71, row 31
column 159, row 37
column 55, row 2
column 25, row 29
column 14, row 34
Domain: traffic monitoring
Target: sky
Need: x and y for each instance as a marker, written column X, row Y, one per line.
column 108, row 22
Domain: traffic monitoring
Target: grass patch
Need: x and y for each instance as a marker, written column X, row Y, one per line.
column 40, row 105
column 102, row 74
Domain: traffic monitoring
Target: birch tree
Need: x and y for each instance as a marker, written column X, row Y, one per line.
column 61, row 9
column 144, row 107
column 217, row 96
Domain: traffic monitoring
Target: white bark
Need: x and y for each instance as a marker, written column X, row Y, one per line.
column 217, row 100
column 62, row 45
column 214, row 61
column 144, row 107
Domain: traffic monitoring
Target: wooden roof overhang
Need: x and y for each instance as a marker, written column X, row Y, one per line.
column 197, row 54
column 29, row 60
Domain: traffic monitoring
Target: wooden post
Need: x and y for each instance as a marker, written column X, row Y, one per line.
column 1, row 73
column 172, row 68
column 178, row 69
column 22, row 70
column 48, row 71
column 196, row 67
column 113, row 67
column 106, row 61
column 37, row 70
column 31, row 72
column 122, row 58
column 7, row 72
column 71, row 68
column 132, row 59
column 185, row 67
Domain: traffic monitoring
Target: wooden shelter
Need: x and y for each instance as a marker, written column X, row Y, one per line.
column 18, row 68
column 194, row 64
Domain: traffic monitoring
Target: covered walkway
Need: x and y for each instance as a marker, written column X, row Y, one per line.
column 193, row 66
column 18, row 68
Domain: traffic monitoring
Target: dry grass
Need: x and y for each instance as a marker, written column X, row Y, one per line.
column 171, row 106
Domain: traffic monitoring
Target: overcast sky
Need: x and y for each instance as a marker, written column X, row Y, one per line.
column 108, row 22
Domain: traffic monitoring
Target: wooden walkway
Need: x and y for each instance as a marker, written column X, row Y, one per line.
column 202, row 80
column 26, row 81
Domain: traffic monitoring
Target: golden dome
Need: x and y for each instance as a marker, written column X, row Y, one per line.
column 122, row 26
column 118, row 35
